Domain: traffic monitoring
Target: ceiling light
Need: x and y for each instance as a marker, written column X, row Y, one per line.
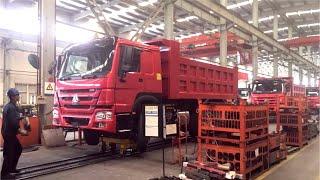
column 146, row 3
column 237, row 5
column 308, row 25
column 302, row 12
column 187, row 18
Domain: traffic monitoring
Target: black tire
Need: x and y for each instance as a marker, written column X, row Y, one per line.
column 193, row 122
column 141, row 140
column 139, row 130
column 91, row 137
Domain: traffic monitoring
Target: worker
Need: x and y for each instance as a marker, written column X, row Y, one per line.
column 12, row 148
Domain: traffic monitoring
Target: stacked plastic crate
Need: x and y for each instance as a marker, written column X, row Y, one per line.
column 235, row 134
column 293, row 120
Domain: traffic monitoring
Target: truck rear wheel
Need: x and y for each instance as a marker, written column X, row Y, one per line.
column 91, row 137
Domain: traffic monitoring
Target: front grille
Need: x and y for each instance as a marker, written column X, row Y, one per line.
column 77, row 121
column 77, row 106
column 78, row 90
column 264, row 100
column 80, row 98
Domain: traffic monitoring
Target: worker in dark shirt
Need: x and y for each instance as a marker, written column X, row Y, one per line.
column 10, row 128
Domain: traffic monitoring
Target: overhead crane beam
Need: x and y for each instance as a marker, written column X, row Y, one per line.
column 223, row 12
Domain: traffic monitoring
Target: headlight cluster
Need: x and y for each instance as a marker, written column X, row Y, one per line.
column 104, row 115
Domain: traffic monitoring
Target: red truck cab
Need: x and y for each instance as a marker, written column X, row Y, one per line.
column 102, row 86
column 313, row 97
column 274, row 91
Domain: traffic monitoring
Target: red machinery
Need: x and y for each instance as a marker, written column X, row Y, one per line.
column 208, row 46
column 303, row 41
column 102, row 86
column 313, row 97
column 293, row 120
column 235, row 134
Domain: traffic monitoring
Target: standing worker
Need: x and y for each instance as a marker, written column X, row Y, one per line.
column 12, row 148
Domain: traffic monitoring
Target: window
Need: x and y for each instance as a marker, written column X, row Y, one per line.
column 28, row 93
column 130, row 59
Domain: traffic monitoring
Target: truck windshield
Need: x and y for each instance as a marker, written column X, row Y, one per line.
column 91, row 59
column 267, row 86
column 312, row 92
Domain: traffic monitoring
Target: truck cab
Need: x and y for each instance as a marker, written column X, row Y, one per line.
column 275, row 91
column 313, row 99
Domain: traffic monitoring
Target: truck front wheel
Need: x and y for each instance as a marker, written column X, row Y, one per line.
column 91, row 137
column 141, row 140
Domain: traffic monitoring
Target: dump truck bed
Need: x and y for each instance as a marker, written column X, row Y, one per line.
column 183, row 78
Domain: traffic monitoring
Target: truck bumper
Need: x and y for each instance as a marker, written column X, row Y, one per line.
column 87, row 121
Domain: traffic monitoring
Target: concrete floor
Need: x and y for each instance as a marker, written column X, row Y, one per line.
column 146, row 166
column 302, row 165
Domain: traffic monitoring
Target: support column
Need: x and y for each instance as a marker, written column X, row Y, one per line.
column 3, row 45
column 275, row 36
column 300, row 68
column 309, row 56
column 2, row 4
column 290, row 64
column 168, row 20
column 309, row 78
column 300, row 75
column 255, row 20
column 290, row 32
column 315, row 80
column 223, row 38
column 48, row 26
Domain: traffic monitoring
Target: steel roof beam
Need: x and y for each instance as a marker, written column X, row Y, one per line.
column 89, row 12
column 223, row 12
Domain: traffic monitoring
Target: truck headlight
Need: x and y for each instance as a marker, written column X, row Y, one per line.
column 104, row 115
column 55, row 114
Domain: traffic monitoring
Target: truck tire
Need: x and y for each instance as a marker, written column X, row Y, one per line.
column 141, row 140
column 91, row 137
column 139, row 129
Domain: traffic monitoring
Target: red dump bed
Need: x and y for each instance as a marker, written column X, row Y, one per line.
column 190, row 79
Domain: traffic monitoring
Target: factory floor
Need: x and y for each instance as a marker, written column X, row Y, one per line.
column 301, row 165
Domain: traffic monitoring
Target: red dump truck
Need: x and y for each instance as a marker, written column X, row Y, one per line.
column 102, row 85
column 313, row 97
column 274, row 91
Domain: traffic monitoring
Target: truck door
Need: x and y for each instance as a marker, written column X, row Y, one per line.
column 130, row 80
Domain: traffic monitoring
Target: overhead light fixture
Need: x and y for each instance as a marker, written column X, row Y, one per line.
column 264, row 19
column 237, row 5
column 146, row 3
column 302, row 12
column 308, row 25
column 187, row 18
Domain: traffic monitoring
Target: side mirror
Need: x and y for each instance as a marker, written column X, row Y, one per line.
column 33, row 60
